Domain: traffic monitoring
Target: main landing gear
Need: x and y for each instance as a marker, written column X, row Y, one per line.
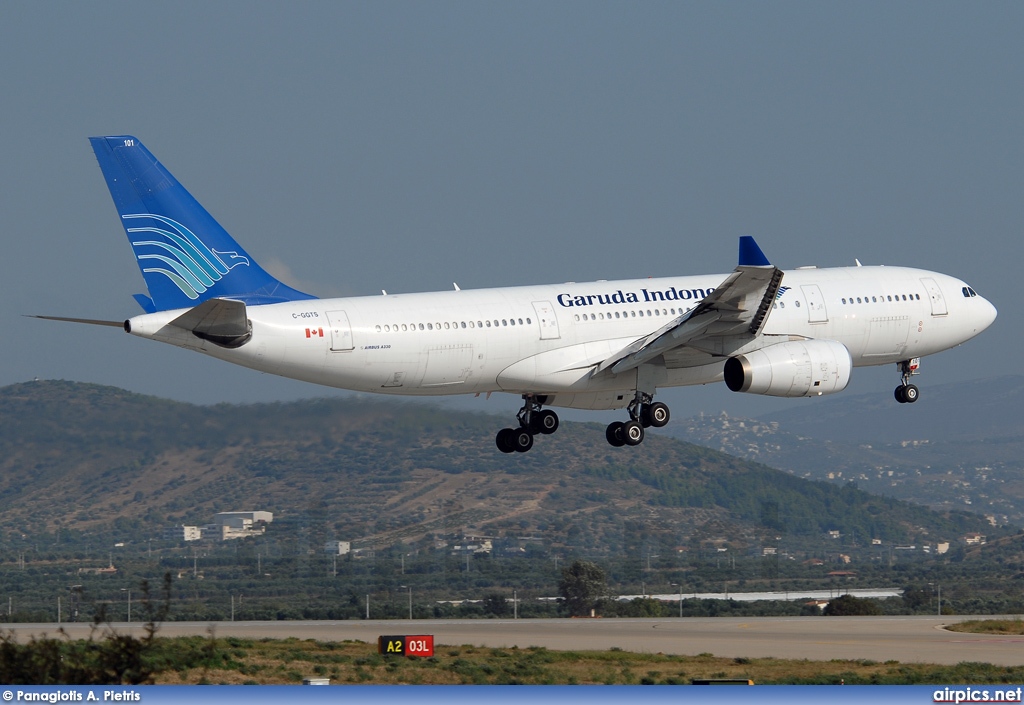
column 532, row 420
column 907, row 393
column 644, row 412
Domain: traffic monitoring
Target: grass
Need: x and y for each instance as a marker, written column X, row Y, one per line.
column 989, row 626
column 269, row 661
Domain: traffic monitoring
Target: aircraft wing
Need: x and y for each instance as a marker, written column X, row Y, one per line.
column 738, row 307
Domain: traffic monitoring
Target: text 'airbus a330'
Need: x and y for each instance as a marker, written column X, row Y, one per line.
column 601, row 345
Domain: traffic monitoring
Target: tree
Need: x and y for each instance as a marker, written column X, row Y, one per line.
column 848, row 605
column 496, row 604
column 581, row 585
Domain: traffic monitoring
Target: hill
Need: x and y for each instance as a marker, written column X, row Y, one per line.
column 84, row 460
column 960, row 447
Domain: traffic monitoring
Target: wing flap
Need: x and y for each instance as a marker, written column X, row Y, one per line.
column 738, row 307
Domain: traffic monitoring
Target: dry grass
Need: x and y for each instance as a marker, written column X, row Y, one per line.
column 989, row 626
column 268, row 661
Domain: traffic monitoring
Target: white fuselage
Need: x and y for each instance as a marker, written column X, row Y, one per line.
column 548, row 340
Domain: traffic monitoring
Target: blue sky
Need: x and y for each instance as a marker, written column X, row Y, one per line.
column 354, row 147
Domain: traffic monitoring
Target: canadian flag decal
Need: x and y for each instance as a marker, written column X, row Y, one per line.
column 314, row 332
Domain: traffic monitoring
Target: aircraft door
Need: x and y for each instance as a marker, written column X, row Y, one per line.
column 341, row 331
column 816, row 312
column 935, row 296
column 547, row 320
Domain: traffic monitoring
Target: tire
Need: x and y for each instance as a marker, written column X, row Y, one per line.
column 522, row 440
column 911, row 393
column 504, row 440
column 547, row 422
column 633, row 433
column 614, row 434
column 658, row 414
column 898, row 393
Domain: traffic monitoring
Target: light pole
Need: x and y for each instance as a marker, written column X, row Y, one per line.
column 409, row 588
column 129, row 591
column 680, row 586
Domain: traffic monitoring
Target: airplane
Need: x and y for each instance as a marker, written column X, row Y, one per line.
column 601, row 345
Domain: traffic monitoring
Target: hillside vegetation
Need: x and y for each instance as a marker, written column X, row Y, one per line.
column 78, row 458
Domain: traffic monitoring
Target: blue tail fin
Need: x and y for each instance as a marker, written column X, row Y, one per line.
column 185, row 256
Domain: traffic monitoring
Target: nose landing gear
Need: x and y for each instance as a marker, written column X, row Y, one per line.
column 644, row 412
column 907, row 393
column 532, row 421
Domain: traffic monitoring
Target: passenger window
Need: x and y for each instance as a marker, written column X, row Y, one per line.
column 798, row 304
column 527, row 321
column 641, row 314
column 488, row 324
column 504, row 322
column 495, row 322
column 782, row 304
column 858, row 299
column 874, row 300
column 890, row 298
column 378, row 329
column 844, row 300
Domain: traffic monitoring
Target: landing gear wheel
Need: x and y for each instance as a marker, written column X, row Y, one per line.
column 522, row 440
column 911, row 393
column 657, row 414
column 545, row 422
column 504, row 440
column 899, row 394
column 633, row 433
column 614, row 434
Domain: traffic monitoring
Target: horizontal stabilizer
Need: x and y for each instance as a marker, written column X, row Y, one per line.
column 221, row 321
column 90, row 321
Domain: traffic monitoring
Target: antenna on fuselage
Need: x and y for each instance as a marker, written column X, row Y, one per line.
column 385, row 293
column 858, row 262
column 456, row 286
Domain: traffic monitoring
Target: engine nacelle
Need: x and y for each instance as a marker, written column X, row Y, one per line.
column 800, row 368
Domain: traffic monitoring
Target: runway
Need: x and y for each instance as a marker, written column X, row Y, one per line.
column 905, row 639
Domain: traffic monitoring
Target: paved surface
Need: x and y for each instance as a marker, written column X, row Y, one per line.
column 920, row 639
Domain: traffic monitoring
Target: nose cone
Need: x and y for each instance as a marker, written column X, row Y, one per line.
column 987, row 316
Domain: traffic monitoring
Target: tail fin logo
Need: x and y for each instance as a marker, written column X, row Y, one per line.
column 175, row 252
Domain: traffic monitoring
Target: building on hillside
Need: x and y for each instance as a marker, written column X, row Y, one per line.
column 337, row 548
column 942, row 547
column 974, row 539
column 237, row 525
column 484, row 546
column 183, row 533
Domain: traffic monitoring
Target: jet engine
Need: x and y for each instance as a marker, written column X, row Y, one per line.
column 800, row 368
